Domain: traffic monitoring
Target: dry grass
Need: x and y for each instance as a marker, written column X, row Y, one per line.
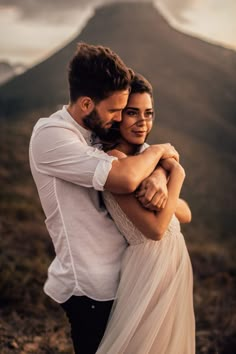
column 31, row 323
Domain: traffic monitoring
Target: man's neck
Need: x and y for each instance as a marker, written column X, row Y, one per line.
column 75, row 114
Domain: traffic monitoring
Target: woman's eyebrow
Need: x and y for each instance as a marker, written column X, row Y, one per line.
column 137, row 109
column 134, row 108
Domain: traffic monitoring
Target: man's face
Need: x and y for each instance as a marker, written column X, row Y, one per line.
column 106, row 112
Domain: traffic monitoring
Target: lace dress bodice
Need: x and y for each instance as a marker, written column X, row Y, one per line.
column 127, row 228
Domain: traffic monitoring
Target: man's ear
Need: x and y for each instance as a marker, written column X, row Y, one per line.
column 86, row 104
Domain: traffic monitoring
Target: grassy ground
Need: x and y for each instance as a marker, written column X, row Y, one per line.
column 32, row 323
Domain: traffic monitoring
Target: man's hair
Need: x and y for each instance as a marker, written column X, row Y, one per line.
column 96, row 72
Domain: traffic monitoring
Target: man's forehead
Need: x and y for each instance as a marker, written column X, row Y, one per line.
column 116, row 98
column 119, row 94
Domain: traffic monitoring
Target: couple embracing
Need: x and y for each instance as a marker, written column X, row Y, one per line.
column 121, row 272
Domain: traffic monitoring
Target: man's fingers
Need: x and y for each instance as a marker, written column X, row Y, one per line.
column 152, row 195
column 155, row 200
column 140, row 193
column 157, row 203
column 164, row 204
column 161, row 203
column 177, row 156
column 148, row 197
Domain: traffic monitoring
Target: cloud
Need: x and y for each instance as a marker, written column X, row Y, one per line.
column 176, row 7
column 47, row 10
column 59, row 10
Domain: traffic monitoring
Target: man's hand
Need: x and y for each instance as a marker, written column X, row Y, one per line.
column 153, row 192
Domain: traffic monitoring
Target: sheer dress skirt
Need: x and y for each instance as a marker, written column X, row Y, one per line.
column 153, row 311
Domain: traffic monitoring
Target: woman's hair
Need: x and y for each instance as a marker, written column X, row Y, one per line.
column 138, row 85
column 96, row 72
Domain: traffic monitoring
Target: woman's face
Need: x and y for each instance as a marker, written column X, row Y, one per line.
column 137, row 118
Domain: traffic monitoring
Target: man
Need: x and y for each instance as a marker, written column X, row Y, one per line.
column 68, row 172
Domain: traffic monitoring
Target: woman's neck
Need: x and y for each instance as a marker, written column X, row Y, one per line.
column 127, row 148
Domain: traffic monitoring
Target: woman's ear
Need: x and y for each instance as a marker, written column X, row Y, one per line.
column 86, row 104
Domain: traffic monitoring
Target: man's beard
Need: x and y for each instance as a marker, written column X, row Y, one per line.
column 93, row 122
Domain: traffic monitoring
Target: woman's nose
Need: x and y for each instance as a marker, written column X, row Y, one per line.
column 141, row 121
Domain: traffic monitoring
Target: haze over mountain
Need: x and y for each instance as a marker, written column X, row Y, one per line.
column 8, row 70
column 194, row 84
column 33, row 29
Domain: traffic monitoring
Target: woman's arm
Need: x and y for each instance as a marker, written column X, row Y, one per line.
column 153, row 224
column 183, row 212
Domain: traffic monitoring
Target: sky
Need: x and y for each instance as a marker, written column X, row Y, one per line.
column 31, row 30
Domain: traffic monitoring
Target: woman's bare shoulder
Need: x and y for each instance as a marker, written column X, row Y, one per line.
column 116, row 153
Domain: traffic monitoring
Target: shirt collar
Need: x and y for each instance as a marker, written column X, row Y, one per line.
column 87, row 134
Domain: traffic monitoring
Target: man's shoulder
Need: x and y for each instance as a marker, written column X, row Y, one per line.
column 55, row 120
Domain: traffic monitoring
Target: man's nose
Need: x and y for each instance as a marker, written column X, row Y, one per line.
column 118, row 117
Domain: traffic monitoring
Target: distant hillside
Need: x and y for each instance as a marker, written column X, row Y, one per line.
column 8, row 71
column 195, row 87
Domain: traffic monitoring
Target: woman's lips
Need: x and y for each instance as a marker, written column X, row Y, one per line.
column 139, row 133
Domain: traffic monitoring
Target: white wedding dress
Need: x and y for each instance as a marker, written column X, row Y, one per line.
column 153, row 311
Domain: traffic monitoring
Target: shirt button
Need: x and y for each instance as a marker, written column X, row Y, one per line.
column 93, row 306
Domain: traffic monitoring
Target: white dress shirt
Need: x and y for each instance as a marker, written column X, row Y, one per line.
column 68, row 173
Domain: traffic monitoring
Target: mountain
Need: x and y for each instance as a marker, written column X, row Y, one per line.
column 194, row 84
column 8, row 71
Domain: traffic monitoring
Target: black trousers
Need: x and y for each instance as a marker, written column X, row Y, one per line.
column 88, row 319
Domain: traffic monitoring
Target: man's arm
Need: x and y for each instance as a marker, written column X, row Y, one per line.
column 128, row 172
column 58, row 152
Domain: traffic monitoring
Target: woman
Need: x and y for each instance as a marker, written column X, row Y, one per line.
column 153, row 312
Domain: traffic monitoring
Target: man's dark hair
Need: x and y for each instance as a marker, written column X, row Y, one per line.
column 96, row 72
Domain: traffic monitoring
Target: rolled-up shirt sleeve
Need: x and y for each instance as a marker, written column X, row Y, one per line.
column 60, row 153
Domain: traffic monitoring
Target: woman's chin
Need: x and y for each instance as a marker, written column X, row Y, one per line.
column 138, row 141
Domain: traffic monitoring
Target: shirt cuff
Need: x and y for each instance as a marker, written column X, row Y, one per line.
column 101, row 173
